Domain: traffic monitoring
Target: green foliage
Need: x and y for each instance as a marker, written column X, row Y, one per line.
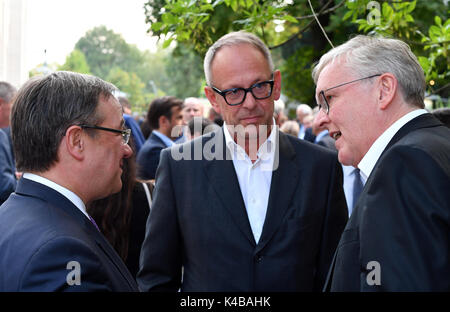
column 185, row 69
column 296, row 66
column 197, row 24
column 129, row 83
column 142, row 75
column 104, row 50
column 76, row 62
column 398, row 20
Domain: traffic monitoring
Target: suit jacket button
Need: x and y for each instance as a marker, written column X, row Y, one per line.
column 258, row 258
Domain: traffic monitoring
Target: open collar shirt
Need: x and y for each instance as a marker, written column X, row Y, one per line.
column 254, row 178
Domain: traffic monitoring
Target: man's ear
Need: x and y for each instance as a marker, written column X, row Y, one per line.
column 74, row 141
column 162, row 121
column 276, row 85
column 388, row 86
column 211, row 96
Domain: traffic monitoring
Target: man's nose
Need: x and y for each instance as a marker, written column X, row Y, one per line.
column 249, row 102
column 128, row 152
column 322, row 119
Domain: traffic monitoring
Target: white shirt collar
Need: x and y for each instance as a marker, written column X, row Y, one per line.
column 60, row 189
column 164, row 138
column 371, row 157
column 266, row 151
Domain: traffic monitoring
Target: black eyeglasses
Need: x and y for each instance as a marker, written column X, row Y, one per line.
column 125, row 132
column 323, row 102
column 236, row 96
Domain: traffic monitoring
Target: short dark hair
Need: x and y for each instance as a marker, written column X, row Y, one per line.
column 45, row 107
column 162, row 107
column 124, row 102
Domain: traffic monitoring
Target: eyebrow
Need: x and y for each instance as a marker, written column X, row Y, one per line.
column 254, row 82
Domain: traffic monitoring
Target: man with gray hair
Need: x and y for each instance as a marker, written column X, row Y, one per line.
column 370, row 91
column 264, row 213
column 7, row 167
column 69, row 141
column 302, row 111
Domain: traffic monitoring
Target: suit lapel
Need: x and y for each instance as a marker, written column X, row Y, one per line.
column 106, row 247
column 222, row 177
column 283, row 185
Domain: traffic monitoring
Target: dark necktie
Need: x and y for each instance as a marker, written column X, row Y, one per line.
column 93, row 221
column 357, row 187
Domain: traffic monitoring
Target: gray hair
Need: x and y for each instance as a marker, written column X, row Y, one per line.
column 43, row 110
column 278, row 106
column 304, row 108
column 7, row 91
column 233, row 39
column 366, row 56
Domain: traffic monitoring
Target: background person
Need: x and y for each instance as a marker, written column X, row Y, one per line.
column 164, row 114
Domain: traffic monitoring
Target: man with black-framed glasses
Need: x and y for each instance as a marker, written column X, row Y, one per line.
column 246, row 207
column 70, row 143
column 371, row 94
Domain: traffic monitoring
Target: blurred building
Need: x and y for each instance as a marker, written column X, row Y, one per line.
column 13, row 25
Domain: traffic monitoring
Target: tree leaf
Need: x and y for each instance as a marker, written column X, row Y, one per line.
column 290, row 18
column 167, row 42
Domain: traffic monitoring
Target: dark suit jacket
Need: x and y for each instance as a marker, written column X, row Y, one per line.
column 41, row 232
column 328, row 142
column 148, row 157
column 199, row 221
column 309, row 136
column 402, row 218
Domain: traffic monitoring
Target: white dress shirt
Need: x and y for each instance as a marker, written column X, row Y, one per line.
column 60, row 189
column 301, row 132
column 349, row 178
column 370, row 159
column 254, row 178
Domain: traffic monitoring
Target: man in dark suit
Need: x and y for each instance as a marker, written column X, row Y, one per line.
column 371, row 93
column 244, row 208
column 69, row 140
column 165, row 119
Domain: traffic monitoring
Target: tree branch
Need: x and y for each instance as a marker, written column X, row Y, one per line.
column 321, row 12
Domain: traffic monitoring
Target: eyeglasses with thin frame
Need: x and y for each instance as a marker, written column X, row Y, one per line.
column 125, row 132
column 323, row 105
column 236, row 96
